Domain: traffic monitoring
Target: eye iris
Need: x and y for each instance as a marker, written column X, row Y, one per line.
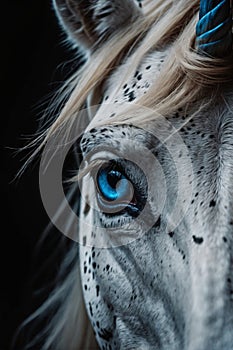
column 112, row 184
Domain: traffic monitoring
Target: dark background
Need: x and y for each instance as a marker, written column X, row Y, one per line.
column 32, row 67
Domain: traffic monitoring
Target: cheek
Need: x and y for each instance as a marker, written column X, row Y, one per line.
column 97, row 277
column 93, row 276
column 106, row 288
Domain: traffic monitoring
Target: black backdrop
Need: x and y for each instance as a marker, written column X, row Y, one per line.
column 32, row 67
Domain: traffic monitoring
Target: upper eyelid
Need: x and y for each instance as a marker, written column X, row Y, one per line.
column 96, row 159
column 101, row 162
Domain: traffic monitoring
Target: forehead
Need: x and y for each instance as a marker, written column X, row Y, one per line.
column 196, row 126
column 126, row 85
column 181, row 127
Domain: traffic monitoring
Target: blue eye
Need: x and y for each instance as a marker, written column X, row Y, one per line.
column 117, row 194
column 113, row 185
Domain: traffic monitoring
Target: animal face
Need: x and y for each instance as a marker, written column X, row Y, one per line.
column 156, row 224
column 163, row 288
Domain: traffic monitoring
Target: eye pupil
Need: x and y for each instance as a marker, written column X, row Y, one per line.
column 113, row 178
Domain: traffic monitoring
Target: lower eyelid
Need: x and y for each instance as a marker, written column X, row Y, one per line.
column 114, row 208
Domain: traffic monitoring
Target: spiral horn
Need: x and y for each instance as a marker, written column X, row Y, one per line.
column 214, row 28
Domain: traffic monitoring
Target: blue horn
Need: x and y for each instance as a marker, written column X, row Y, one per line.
column 214, row 28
